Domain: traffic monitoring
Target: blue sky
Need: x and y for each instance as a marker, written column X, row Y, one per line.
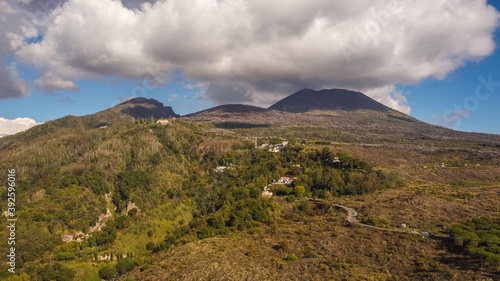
column 230, row 74
column 433, row 97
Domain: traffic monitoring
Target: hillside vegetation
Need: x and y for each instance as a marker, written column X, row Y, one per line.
column 183, row 201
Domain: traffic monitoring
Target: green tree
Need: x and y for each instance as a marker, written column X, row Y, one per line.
column 124, row 266
column 108, row 272
column 299, row 191
column 78, row 252
column 132, row 212
column 150, row 246
column 57, row 272
column 106, row 236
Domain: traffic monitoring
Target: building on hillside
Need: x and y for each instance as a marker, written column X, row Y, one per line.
column 336, row 160
column 67, row 238
column 266, row 193
column 278, row 147
column 274, row 150
column 220, row 169
column 163, row 122
column 103, row 125
column 285, row 180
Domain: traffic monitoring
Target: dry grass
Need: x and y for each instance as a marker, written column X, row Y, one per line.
column 326, row 248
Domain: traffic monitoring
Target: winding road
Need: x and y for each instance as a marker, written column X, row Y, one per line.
column 352, row 219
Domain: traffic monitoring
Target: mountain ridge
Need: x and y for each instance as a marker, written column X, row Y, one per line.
column 230, row 108
column 327, row 99
column 348, row 116
column 145, row 108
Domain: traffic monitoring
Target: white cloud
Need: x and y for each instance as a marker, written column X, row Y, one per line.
column 451, row 118
column 173, row 97
column 258, row 51
column 11, row 86
column 388, row 96
column 7, row 10
column 13, row 126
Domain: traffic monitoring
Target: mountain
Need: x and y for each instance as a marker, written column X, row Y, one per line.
column 125, row 112
column 336, row 99
column 234, row 116
column 145, row 108
column 336, row 115
column 229, row 108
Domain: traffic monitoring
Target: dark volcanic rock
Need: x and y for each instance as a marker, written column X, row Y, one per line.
column 145, row 108
column 336, row 99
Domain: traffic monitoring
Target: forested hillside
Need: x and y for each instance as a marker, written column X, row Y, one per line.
column 137, row 200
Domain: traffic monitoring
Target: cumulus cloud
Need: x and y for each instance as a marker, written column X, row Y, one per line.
column 259, row 51
column 388, row 96
column 11, row 86
column 13, row 126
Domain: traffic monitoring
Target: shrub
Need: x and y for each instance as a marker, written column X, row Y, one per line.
column 206, row 232
column 121, row 222
column 305, row 207
column 124, row 266
column 132, row 212
column 299, row 191
column 284, row 245
column 375, row 221
column 66, row 256
column 108, row 272
column 56, row 272
column 150, row 246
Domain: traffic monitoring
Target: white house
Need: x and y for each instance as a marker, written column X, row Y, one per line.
column 278, row 147
column 220, row 169
column 266, row 193
column 163, row 122
column 285, row 180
